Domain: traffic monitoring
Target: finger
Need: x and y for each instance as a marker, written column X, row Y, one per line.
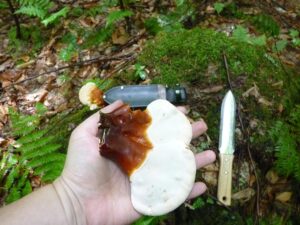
column 112, row 107
column 198, row 189
column 183, row 109
column 199, row 128
column 205, row 158
column 90, row 125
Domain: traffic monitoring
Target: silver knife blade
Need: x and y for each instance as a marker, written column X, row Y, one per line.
column 227, row 124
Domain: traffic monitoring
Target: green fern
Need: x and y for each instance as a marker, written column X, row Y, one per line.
column 40, row 9
column 53, row 17
column 40, row 149
column 35, row 8
column 286, row 137
column 116, row 16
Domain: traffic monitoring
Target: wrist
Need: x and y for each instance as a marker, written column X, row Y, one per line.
column 71, row 204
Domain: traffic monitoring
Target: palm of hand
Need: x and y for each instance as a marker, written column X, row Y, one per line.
column 101, row 187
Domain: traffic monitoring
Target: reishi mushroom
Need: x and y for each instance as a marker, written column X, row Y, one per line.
column 91, row 95
column 152, row 148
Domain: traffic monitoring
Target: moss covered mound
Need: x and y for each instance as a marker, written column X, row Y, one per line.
column 187, row 55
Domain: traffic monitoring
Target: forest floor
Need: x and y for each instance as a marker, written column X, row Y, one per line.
column 50, row 64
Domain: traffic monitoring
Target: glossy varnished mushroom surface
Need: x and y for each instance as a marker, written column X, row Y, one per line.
column 123, row 137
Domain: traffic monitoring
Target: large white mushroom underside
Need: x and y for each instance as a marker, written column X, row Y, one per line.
column 165, row 179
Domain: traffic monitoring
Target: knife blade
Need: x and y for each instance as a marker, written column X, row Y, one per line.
column 142, row 95
column 226, row 147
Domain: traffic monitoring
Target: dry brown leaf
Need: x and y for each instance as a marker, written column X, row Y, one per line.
column 6, row 65
column 272, row 177
column 36, row 96
column 252, row 180
column 210, row 174
column 10, row 75
column 244, row 195
column 253, row 91
column 3, row 113
column 213, row 89
column 264, row 101
column 284, row 196
column 120, row 36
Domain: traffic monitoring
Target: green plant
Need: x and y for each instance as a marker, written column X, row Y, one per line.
column 149, row 220
column 285, row 135
column 40, row 9
column 116, row 16
column 241, row 34
column 295, row 37
column 172, row 20
column 31, row 42
column 218, row 6
column 39, row 150
column 140, row 72
column 265, row 24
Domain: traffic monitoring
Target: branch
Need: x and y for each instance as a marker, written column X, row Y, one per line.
column 82, row 63
column 16, row 19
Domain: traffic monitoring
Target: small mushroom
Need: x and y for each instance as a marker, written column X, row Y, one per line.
column 91, row 95
column 152, row 148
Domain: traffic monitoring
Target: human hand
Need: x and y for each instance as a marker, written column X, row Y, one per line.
column 96, row 185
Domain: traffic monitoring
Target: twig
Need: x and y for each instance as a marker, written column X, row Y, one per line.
column 82, row 63
column 122, row 6
column 227, row 71
column 16, row 19
column 246, row 134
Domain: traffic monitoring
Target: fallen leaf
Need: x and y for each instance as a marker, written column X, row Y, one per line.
column 213, row 89
column 272, row 177
column 6, row 65
column 10, row 75
column 3, row 113
column 264, row 101
column 120, row 36
column 253, row 91
column 37, row 96
column 284, row 196
column 210, row 174
column 244, row 195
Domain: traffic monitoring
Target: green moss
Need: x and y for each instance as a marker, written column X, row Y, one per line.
column 185, row 56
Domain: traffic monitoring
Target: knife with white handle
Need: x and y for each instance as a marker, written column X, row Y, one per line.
column 226, row 147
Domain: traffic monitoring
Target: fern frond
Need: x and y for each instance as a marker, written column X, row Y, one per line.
column 32, row 11
column 32, row 137
column 23, row 132
column 31, row 146
column 41, row 152
column 27, row 120
column 27, row 188
column 51, row 175
column 116, row 16
column 11, row 178
column 48, row 167
column 53, row 157
column 22, row 179
column 13, row 195
column 53, row 17
column 286, row 151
